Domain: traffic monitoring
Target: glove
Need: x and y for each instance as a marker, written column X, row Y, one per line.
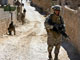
column 50, row 27
column 56, row 26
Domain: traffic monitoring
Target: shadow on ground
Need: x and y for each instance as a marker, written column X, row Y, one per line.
column 71, row 51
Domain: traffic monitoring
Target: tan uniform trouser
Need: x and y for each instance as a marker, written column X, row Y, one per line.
column 54, row 39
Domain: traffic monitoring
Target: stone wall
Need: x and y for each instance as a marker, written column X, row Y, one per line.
column 72, row 22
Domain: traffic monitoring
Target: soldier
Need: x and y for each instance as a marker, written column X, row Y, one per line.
column 11, row 28
column 23, row 16
column 52, row 24
column 19, row 9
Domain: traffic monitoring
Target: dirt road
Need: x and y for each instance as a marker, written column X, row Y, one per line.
column 30, row 41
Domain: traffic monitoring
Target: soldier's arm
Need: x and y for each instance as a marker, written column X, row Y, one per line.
column 48, row 22
column 48, row 26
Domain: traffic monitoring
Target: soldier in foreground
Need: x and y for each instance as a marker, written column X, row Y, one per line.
column 55, row 29
column 11, row 28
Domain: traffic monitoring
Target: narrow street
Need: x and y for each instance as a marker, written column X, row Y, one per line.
column 30, row 41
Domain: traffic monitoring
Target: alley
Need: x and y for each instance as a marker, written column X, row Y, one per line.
column 30, row 42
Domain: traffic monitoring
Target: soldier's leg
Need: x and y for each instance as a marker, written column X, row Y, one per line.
column 22, row 21
column 9, row 31
column 14, row 31
column 49, row 51
column 57, row 47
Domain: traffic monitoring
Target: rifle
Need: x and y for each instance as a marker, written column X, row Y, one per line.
column 60, row 29
column 64, row 34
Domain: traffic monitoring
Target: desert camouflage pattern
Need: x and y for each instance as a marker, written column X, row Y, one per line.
column 53, row 37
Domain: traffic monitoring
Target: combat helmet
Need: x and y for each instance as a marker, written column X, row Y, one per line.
column 56, row 7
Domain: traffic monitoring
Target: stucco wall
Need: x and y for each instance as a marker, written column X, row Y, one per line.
column 45, row 4
column 72, row 21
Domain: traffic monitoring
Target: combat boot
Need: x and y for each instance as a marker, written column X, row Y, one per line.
column 56, row 56
column 50, row 56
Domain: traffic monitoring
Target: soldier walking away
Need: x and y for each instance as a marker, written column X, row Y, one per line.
column 19, row 9
column 23, row 16
column 11, row 28
column 54, row 24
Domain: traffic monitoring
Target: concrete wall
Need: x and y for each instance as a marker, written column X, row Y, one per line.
column 72, row 21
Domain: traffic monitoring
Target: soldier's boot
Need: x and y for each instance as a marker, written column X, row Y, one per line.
column 50, row 56
column 23, row 22
column 56, row 56
column 14, row 32
column 49, row 51
column 10, row 33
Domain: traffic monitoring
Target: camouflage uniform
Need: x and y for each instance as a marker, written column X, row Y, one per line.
column 23, row 16
column 18, row 4
column 18, row 12
column 54, row 38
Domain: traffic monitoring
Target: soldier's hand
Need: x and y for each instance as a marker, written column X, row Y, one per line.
column 49, row 27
